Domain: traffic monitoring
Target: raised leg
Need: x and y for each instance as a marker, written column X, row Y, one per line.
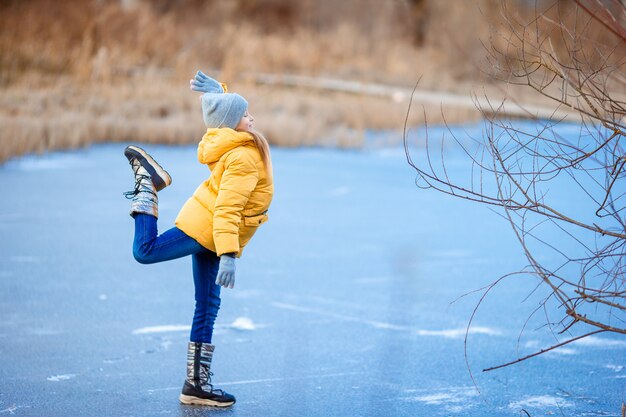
column 149, row 247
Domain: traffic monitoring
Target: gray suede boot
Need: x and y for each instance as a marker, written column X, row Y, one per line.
column 150, row 177
column 198, row 389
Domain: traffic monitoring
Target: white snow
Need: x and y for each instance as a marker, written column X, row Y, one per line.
column 57, row 378
column 563, row 351
column 326, row 313
column 532, row 344
column 595, row 341
column 243, row 323
column 447, row 333
column 434, row 398
column 460, row 332
column 12, row 409
column 453, row 400
column 115, row 360
column 163, row 329
column 541, row 401
column 266, row 380
column 588, row 342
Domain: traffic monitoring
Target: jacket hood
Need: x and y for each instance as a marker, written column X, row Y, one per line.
column 216, row 142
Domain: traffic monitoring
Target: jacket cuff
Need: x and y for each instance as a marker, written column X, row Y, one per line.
column 228, row 243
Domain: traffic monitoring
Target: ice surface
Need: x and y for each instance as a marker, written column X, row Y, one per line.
column 358, row 291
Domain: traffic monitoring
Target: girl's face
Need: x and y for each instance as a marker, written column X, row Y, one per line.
column 245, row 123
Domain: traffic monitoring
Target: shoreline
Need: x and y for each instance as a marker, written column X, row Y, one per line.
column 305, row 112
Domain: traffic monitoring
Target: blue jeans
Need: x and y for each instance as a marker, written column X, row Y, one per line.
column 149, row 248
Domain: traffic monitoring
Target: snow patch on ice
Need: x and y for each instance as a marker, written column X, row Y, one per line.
column 243, row 323
column 57, row 378
column 434, row 398
column 531, row 344
column 594, row 341
column 12, row 409
column 563, row 351
column 460, row 332
column 265, row 380
column 541, row 401
column 589, row 341
column 115, row 360
column 327, row 313
column 453, row 400
column 163, row 329
column 447, row 333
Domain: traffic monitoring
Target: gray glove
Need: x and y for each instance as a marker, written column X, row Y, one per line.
column 205, row 84
column 226, row 272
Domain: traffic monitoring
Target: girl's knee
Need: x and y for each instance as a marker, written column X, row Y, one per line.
column 142, row 254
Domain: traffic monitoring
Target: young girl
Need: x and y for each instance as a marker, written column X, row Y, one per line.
column 214, row 224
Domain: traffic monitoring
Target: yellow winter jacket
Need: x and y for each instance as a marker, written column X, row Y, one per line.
column 226, row 210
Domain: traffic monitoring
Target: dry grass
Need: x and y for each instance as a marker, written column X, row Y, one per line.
column 84, row 71
column 65, row 115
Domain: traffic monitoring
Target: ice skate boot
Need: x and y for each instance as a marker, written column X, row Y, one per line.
column 198, row 389
column 147, row 175
column 160, row 177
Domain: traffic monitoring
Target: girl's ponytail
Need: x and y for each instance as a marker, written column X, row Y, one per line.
column 264, row 149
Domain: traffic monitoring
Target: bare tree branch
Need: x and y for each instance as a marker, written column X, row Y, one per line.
column 573, row 54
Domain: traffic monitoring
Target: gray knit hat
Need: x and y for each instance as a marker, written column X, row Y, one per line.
column 220, row 109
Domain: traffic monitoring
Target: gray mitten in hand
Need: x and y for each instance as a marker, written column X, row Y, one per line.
column 205, row 84
column 226, row 272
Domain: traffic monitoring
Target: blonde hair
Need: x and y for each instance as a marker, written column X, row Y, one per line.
column 264, row 149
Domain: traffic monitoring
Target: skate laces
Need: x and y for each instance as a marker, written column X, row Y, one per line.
column 138, row 182
column 210, row 385
column 207, row 384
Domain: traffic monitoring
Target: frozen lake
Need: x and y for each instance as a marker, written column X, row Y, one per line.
column 343, row 304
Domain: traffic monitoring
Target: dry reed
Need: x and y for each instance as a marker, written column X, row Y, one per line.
column 83, row 71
